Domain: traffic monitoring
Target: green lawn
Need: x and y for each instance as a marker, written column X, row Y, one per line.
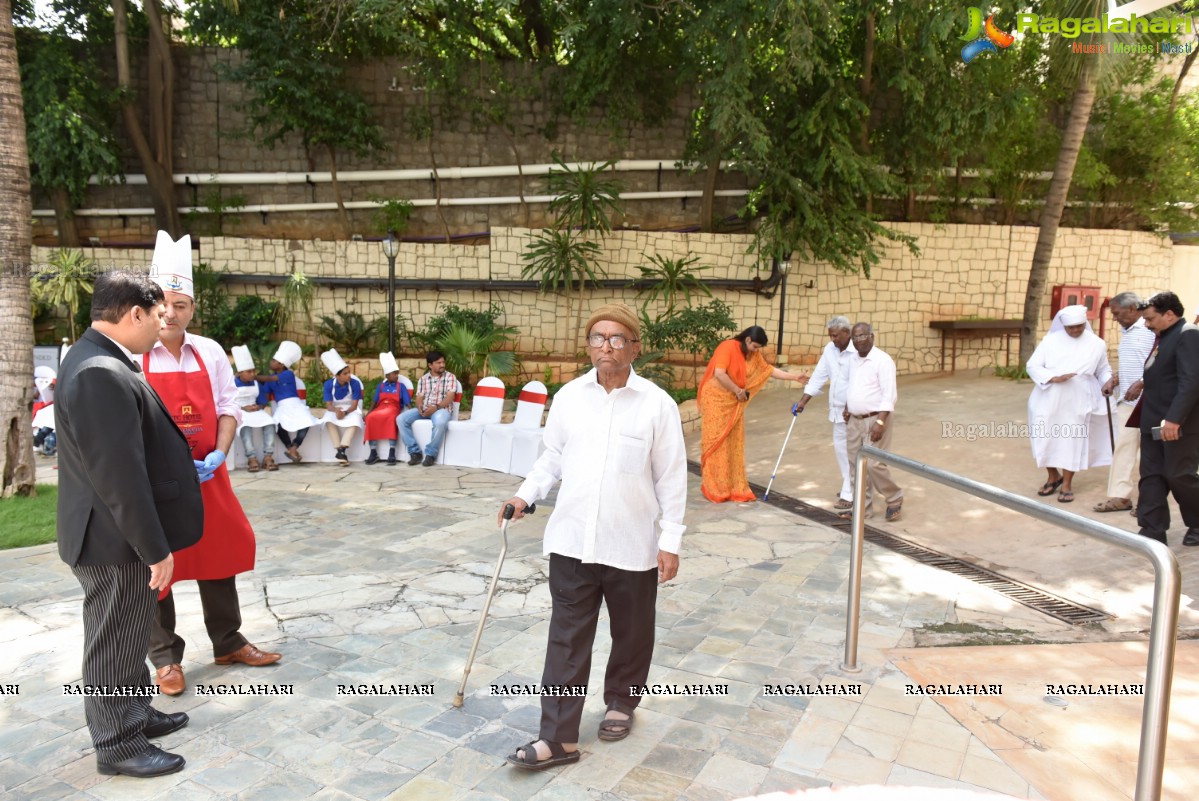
column 29, row 521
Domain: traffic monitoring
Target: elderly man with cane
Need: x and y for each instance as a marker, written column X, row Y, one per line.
column 615, row 441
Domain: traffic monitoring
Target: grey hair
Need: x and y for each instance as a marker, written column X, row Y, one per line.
column 839, row 323
column 869, row 328
column 1125, row 300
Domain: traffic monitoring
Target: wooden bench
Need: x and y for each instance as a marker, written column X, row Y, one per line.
column 965, row 329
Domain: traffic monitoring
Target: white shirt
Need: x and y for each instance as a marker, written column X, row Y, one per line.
column 623, row 465
column 1136, row 343
column 832, row 368
column 871, row 385
column 220, row 374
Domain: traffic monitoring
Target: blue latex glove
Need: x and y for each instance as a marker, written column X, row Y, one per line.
column 214, row 460
column 796, row 410
column 202, row 471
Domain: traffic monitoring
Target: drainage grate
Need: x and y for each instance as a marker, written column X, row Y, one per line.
column 1043, row 602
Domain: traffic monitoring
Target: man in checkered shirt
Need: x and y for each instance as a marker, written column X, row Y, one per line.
column 434, row 397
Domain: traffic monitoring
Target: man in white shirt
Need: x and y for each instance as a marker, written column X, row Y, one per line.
column 833, row 368
column 869, row 405
column 1136, row 343
column 615, row 441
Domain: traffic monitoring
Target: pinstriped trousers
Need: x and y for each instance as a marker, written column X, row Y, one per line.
column 118, row 609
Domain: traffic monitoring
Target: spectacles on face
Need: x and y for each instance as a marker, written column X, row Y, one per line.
column 864, row 338
column 617, row 341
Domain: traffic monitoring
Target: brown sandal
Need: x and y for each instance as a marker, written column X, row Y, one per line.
column 1113, row 505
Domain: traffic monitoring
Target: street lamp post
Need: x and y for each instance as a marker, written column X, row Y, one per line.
column 391, row 248
column 784, row 265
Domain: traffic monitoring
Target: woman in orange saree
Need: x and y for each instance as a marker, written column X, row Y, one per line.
column 735, row 374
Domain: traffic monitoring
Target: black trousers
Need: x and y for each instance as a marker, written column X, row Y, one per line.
column 118, row 609
column 1168, row 467
column 222, row 618
column 577, row 590
column 286, row 439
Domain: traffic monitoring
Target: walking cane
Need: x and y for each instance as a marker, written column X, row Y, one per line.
column 509, row 510
column 795, row 412
column 1111, row 433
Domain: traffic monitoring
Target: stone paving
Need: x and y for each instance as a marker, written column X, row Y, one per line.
column 376, row 576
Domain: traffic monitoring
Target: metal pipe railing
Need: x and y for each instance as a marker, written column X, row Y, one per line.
column 1167, row 586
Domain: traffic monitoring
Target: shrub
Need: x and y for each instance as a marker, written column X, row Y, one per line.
column 251, row 319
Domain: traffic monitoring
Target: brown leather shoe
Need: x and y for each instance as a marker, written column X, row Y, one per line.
column 268, row 463
column 169, row 679
column 249, row 654
column 252, row 464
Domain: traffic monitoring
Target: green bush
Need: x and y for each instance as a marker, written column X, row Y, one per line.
column 250, row 319
column 481, row 321
column 349, row 334
column 695, row 329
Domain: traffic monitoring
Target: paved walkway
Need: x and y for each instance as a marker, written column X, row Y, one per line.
column 375, row 576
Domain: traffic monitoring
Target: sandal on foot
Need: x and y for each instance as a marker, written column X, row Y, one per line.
column 611, row 729
column 1049, row 487
column 1065, row 496
column 529, row 761
column 1114, row 505
column 843, row 504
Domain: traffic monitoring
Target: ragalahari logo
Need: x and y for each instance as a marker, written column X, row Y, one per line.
column 983, row 37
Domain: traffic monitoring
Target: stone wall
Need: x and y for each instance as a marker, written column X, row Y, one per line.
column 962, row 272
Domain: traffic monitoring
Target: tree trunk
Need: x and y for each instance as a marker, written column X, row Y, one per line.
column 707, row 205
column 1055, row 204
column 867, row 94
column 17, row 472
column 346, row 228
column 64, row 218
column 157, row 157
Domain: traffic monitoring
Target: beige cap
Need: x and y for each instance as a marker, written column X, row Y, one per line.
column 617, row 313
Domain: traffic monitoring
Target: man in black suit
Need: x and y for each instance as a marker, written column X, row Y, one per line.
column 1169, row 400
column 128, row 495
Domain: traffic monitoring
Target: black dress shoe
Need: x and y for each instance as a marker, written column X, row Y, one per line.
column 374, row 457
column 414, row 458
column 429, row 460
column 391, row 457
column 160, row 724
column 1153, row 535
column 1192, row 537
column 151, row 762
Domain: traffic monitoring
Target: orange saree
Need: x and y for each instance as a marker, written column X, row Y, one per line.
column 723, row 420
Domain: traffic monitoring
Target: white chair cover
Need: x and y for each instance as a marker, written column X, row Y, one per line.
column 464, row 438
column 499, row 439
column 423, row 429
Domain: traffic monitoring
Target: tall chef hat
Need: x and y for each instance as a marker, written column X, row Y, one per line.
column 171, row 265
column 288, row 353
column 42, row 371
column 388, row 363
column 333, row 361
column 242, row 359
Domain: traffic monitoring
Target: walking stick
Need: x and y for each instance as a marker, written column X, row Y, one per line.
column 509, row 510
column 795, row 412
column 1111, row 433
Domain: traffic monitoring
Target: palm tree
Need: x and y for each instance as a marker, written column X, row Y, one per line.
column 16, row 238
column 71, row 279
column 469, row 353
column 1094, row 73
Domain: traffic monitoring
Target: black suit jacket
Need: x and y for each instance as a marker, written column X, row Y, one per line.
column 127, row 485
column 1172, row 380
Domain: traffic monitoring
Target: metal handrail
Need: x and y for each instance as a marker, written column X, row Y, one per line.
column 1167, row 586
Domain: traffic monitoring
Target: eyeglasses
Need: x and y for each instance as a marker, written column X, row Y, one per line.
column 617, row 341
column 864, row 338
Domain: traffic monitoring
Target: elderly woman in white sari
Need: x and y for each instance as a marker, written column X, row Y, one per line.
column 1065, row 410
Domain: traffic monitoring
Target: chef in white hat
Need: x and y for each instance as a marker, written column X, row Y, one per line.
column 291, row 411
column 193, row 377
column 343, row 404
column 391, row 398
column 254, row 400
column 43, row 409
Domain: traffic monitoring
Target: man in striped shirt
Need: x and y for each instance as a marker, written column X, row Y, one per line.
column 434, row 397
column 1136, row 342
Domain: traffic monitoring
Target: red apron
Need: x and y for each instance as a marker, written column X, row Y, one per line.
column 227, row 545
column 381, row 420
